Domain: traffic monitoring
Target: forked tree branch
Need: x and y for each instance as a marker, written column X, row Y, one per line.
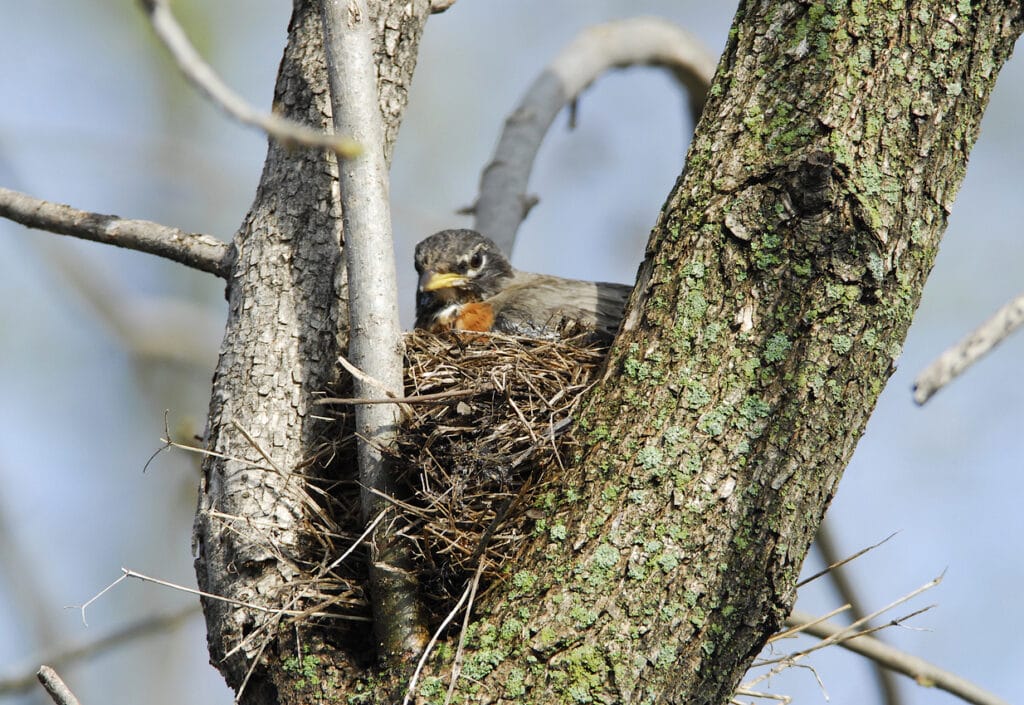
column 375, row 338
column 950, row 364
column 201, row 252
column 503, row 202
column 923, row 672
column 287, row 132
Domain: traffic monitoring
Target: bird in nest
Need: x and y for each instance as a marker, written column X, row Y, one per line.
column 467, row 284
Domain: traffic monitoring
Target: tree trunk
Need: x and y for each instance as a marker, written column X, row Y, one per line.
column 287, row 325
column 777, row 290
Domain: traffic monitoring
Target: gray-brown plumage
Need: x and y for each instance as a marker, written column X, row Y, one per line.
column 466, row 283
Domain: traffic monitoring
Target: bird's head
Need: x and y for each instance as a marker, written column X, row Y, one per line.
column 459, row 266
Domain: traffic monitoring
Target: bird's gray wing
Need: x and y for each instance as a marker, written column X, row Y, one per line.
column 539, row 305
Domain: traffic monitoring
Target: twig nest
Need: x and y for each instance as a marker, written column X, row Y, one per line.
column 493, row 429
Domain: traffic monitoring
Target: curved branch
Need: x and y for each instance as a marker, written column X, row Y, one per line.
column 503, row 204
column 287, row 132
column 923, row 672
column 201, row 252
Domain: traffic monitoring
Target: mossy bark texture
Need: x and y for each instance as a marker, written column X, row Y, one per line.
column 777, row 290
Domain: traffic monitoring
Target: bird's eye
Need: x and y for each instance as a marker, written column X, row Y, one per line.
column 476, row 261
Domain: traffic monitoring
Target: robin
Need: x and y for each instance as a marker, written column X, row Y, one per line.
column 466, row 283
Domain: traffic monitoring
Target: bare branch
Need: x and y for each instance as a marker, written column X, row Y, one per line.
column 848, row 592
column 460, row 649
column 150, row 626
column 923, row 672
column 376, row 343
column 202, row 252
column 503, row 203
column 958, row 358
column 287, row 132
column 848, row 631
column 60, row 693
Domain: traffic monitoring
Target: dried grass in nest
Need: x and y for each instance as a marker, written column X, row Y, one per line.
column 486, row 415
column 472, row 460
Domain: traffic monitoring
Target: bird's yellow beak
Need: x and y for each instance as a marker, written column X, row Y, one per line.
column 432, row 281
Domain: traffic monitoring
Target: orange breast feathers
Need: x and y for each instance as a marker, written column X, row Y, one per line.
column 475, row 316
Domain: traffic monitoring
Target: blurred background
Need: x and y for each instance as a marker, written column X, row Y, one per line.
column 97, row 343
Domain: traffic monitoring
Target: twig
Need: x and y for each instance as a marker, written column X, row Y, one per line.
column 258, row 448
column 60, row 693
column 844, row 585
column 923, row 672
column 503, row 203
column 785, row 699
column 958, row 358
column 417, row 399
column 355, row 544
column 460, row 649
column 375, row 340
column 834, row 563
column 433, row 641
column 287, row 132
column 365, row 378
column 252, row 669
column 127, row 573
column 202, row 252
column 850, row 630
column 146, row 627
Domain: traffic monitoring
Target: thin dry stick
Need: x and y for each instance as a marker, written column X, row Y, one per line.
column 433, row 642
column 844, row 585
column 839, row 563
column 128, row 573
column 923, row 672
column 258, row 448
column 785, row 699
column 503, row 203
column 460, row 649
column 416, row 399
column 202, row 252
column 958, row 358
column 355, row 544
column 287, row 132
column 252, row 667
column 849, row 630
column 791, row 633
column 57, row 689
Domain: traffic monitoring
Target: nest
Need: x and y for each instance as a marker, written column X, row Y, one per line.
column 475, row 460
column 487, row 426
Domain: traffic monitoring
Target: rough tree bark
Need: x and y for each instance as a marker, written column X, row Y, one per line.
column 778, row 287
column 287, row 325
